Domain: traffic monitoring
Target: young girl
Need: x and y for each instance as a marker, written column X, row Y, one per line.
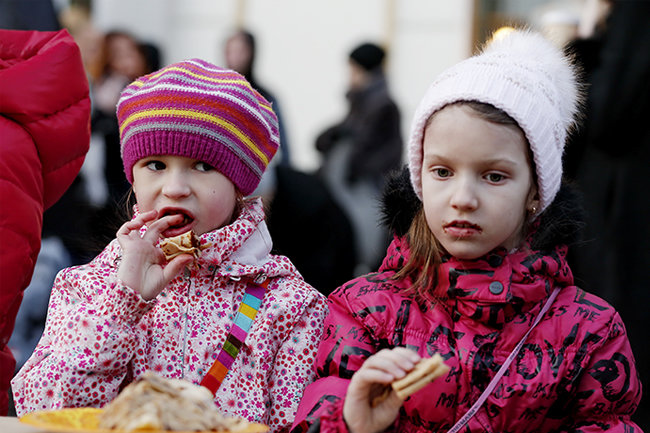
column 195, row 139
column 478, row 261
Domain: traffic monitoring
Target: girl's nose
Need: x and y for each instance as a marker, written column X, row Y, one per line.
column 464, row 195
column 176, row 185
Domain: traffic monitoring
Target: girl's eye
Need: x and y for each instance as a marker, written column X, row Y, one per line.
column 202, row 166
column 495, row 177
column 442, row 172
column 155, row 165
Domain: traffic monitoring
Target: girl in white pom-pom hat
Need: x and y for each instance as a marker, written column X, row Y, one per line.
column 477, row 272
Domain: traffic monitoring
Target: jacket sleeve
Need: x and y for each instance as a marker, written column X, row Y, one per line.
column 89, row 339
column 609, row 390
column 377, row 145
column 292, row 368
column 345, row 346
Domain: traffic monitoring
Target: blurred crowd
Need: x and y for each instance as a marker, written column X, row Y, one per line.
column 327, row 222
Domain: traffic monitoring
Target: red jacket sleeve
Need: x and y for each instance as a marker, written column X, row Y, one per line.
column 45, row 91
column 44, row 136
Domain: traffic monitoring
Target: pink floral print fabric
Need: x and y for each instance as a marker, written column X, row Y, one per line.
column 100, row 334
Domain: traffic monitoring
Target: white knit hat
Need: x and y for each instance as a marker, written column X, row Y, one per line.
column 524, row 75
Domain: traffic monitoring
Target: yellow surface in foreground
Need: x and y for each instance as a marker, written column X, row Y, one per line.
column 87, row 419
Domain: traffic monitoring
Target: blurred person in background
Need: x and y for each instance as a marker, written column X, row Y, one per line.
column 124, row 61
column 76, row 17
column 28, row 14
column 359, row 151
column 309, row 226
column 240, row 52
column 30, row 320
column 44, row 125
column 125, row 58
column 609, row 160
column 297, row 201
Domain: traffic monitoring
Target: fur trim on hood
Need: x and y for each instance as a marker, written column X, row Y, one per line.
column 560, row 224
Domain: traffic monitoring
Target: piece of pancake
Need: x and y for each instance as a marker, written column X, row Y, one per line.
column 421, row 375
column 153, row 402
column 187, row 243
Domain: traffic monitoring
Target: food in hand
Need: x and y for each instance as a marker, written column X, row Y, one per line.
column 153, row 402
column 421, row 375
column 187, row 243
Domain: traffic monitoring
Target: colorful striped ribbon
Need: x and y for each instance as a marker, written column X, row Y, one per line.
column 240, row 327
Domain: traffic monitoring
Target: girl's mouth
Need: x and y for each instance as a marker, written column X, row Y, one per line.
column 462, row 229
column 180, row 227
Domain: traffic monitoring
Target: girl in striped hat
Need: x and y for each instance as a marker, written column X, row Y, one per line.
column 195, row 140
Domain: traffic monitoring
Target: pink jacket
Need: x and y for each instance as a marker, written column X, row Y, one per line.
column 100, row 334
column 576, row 371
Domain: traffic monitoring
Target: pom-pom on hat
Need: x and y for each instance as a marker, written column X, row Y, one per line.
column 200, row 111
column 524, row 75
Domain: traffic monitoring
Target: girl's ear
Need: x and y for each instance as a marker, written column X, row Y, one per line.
column 532, row 204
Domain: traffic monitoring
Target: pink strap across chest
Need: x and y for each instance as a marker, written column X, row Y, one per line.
column 495, row 380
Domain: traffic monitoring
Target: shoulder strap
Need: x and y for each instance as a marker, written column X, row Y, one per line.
column 495, row 380
column 238, row 331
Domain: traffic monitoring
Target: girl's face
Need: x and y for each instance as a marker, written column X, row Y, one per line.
column 477, row 182
column 238, row 54
column 179, row 185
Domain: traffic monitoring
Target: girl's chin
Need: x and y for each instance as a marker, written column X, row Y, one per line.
column 466, row 253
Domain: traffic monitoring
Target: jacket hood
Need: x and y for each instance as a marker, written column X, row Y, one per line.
column 561, row 223
column 45, row 91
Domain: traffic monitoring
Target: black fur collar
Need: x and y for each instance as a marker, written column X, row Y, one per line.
column 560, row 224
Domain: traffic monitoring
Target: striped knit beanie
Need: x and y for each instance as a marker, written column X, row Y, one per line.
column 524, row 75
column 200, row 111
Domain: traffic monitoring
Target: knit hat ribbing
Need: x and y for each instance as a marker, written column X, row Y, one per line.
column 200, row 111
column 524, row 75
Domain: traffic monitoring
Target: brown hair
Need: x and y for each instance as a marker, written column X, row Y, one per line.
column 425, row 250
column 425, row 255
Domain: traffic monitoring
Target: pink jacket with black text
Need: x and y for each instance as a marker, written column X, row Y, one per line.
column 575, row 372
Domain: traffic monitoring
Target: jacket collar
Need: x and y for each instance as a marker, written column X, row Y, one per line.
column 239, row 249
column 494, row 288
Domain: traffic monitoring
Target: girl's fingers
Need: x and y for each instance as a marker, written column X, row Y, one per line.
column 175, row 266
column 157, row 227
column 137, row 223
column 372, row 375
column 393, row 362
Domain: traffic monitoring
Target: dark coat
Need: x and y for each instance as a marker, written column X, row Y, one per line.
column 372, row 127
column 609, row 160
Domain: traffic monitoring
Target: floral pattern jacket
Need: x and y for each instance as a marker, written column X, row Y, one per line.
column 100, row 334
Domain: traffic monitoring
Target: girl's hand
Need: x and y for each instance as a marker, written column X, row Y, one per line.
column 374, row 376
column 142, row 267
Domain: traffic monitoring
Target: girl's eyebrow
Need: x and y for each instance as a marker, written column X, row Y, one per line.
column 435, row 157
column 503, row 160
